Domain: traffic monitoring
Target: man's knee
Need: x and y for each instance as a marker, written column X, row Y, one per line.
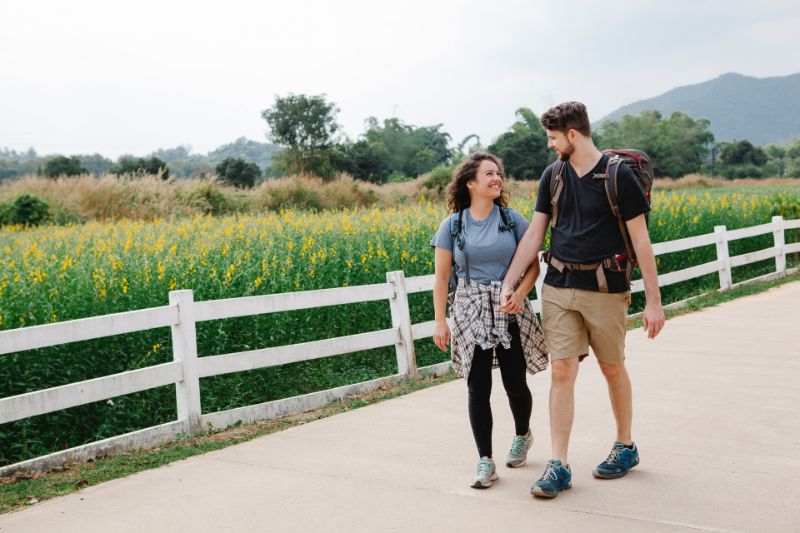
column 613, row 371
column 564, row 371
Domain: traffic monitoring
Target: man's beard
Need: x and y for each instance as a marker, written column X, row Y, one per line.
column 565, row 155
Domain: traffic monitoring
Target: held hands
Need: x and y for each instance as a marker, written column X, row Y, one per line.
column 653, row 319
column 441, row 335
column 511, row 301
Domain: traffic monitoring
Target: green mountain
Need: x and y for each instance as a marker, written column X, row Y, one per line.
column 761, row 110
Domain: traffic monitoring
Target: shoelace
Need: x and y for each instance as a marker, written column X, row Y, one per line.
column 550, row 472
column 613, row 457
column 484, row 467
column 518, row 445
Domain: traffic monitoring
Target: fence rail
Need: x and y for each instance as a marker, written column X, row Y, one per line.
column 187, row 368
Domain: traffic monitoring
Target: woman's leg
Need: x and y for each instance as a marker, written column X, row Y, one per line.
column 513, row 370
column 479, row 385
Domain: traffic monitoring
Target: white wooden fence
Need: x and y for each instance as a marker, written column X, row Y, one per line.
column 187, row 368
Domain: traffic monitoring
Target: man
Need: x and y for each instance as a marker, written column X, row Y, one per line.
column 583, row 306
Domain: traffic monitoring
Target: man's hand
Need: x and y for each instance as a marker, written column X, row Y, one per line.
column 653, row 319
column 441, row 335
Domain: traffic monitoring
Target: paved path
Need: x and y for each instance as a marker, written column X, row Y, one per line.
column 717, row 419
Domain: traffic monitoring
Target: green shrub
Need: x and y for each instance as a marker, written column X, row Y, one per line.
column 26, row 210
column 438, row 179
column 64, row 166
column 238, row 172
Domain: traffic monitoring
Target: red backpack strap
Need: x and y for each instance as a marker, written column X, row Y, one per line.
column 556, row 186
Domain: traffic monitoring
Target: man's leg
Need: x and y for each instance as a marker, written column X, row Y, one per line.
column 620, row 392
column 562, row 405
column 606, row 318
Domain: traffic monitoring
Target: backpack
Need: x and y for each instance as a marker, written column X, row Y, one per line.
column 642, row 167
column 508, row 224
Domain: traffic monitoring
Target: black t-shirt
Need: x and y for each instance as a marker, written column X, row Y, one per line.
column 586, row 230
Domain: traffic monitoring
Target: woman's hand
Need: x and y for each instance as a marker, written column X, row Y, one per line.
column 514, row 303
column 441, row 335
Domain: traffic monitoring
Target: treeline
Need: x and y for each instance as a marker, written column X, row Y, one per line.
column 176, row 162
column 307, row 139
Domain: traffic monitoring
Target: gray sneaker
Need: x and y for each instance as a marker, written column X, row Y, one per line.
column 518, row 455
column 485, row 473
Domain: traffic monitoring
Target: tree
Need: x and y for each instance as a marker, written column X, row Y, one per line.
column 63, row 166
column 678, row 145
column 306, row 126
column 742, row 153
column 793, row 160
column 128, row 165
column 364, row 160
column 238, row 172
column 19, row 157
column 243, row 148
column 95, row 163
column 683, row 144
column 523, row 148
column 407, row 149
column 740, row 159
column 393, row 150
column 776, row 160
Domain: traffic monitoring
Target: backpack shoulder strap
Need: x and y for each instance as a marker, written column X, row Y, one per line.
column 508, row 218
column 612, row 184
column 556, row 186
column 456, row 223
column 509, row 224
column 612, row 193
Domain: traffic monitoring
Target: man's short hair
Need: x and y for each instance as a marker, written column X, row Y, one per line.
column 567, row 116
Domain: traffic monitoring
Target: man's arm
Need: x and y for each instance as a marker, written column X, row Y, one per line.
column 653, row 318
column 527, row 252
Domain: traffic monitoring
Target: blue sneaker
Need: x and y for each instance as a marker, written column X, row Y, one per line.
column 556, row 477
column 619, row 461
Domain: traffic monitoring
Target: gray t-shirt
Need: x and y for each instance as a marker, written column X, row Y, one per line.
column 489, row 249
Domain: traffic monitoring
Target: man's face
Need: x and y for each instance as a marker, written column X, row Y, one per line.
column 558, row 141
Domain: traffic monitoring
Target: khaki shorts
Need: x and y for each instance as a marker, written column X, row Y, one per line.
column 574, row 319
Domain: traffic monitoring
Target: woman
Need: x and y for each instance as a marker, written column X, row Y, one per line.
column 479, row 240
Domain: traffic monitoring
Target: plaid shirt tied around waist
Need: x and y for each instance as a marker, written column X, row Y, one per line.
column 478, row 320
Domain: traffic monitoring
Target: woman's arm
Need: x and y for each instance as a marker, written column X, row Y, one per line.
column 443, row 263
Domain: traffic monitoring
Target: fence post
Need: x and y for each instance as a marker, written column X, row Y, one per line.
column 725, row 275
column 780, row 242
column 401, row 318
column 184, row 351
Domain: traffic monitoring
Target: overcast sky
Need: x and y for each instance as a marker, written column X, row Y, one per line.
column 129, row 77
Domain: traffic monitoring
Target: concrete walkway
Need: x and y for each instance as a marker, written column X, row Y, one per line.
column 717, row 420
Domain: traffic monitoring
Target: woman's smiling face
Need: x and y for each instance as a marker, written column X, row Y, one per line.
column 488, row 182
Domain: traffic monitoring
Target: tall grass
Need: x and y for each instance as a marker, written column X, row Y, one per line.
column 81, row 199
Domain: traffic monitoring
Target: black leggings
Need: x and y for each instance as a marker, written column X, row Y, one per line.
column 513, row 372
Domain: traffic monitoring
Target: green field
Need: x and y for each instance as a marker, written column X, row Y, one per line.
column 60, row 273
